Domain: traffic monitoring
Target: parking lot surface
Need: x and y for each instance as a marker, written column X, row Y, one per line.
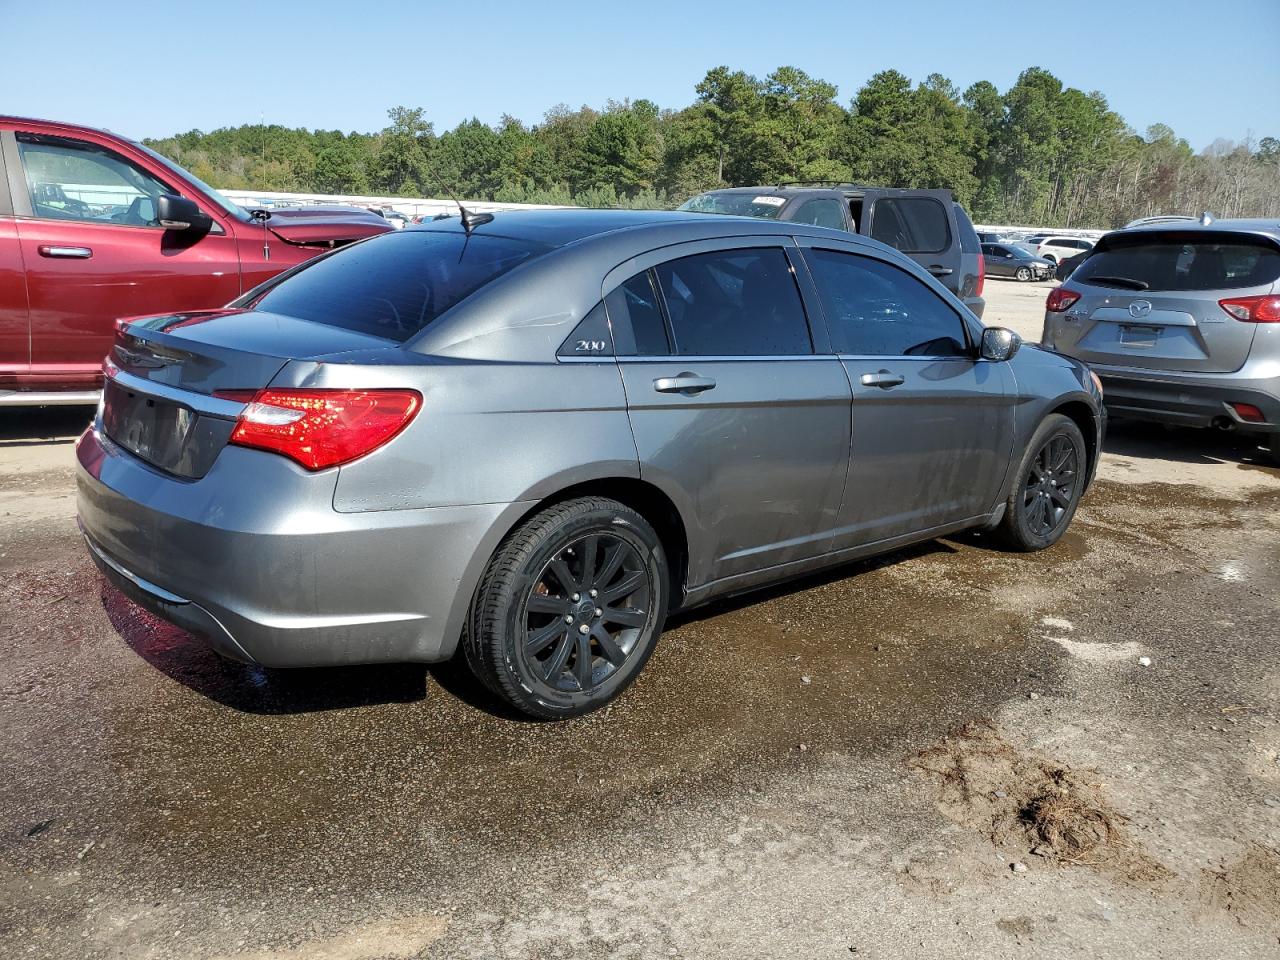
column 951, row 751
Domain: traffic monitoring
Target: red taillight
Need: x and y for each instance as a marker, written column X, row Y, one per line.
column 1060, row 298
column 982, row 275
column 1249, row 413
column 321, row 428
column 1264, row 309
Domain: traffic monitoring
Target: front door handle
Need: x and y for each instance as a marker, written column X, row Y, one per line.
column 70, row 253
column 686, row 383
column 882, row 378
column 938, row 270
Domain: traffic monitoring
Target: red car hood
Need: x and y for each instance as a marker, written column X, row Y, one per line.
column 318, row 226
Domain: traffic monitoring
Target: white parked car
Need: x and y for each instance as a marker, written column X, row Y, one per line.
column 1054, row 248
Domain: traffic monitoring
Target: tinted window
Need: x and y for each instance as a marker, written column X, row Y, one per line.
column 1180, row 263
column 395, row 285
column 821, row 212
column 741, row 303
column 591, row 337
column 911, row 224
column 635, row 314
column 874, row 309
column 75, row 180
column 737, row 204
column 968, row 236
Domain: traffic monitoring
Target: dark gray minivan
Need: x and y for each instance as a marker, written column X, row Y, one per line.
column 927, row 225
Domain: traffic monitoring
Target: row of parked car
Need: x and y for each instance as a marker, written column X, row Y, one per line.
column 529, row 436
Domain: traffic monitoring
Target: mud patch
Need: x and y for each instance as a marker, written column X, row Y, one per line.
column 1027, row 803
column 1249, row 889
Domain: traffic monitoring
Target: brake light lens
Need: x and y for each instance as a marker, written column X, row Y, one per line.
column 321, row 428
column 1263, row 309
column 1060, row 298
column 982, row 275
column 1249, row 413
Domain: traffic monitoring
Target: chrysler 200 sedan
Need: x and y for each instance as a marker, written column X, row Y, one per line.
column 534, row 437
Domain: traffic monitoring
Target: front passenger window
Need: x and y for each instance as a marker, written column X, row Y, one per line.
column 74, row 180
column 875, row 309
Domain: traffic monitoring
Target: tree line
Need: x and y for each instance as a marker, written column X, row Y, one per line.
column 1039, row 153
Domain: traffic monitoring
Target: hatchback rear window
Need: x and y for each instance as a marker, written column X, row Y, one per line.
column 396, row 285
column 1181, row 263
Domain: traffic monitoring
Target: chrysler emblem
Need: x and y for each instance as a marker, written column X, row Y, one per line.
column 1139, row 309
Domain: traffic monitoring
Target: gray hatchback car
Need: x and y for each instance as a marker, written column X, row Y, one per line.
column 1181, row 321
column 534, row 437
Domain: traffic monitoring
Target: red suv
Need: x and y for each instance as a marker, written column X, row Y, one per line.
column 94, row 226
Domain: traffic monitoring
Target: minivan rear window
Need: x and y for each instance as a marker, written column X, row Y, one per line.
column 1181, row 263
column 397, row 284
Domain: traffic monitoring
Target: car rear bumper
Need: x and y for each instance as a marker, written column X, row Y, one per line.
column 1202, row 400
column 254, row 559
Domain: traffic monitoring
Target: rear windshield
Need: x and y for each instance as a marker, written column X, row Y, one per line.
column 395, row 285
column 737, row 204
column 1181, row 263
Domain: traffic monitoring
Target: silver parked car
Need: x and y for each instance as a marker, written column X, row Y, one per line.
column 1181, row 320
column 535, row 436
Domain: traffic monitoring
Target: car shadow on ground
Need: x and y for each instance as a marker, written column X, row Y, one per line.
column 39, row 426
column 1153, row 441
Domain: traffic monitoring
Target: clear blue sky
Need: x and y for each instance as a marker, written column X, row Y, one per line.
column 1208, row 68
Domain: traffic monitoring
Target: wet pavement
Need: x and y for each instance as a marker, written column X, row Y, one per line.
column 751, row 795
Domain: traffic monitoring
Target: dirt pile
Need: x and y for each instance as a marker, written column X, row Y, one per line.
column 1027, row 802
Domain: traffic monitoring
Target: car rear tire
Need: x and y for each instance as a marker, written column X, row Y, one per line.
column 1024, row 274
column 569, row 609
column 1047, row 488
column 1273, row 447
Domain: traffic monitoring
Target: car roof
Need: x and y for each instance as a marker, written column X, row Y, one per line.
column 559, row 227
column 1262, row 225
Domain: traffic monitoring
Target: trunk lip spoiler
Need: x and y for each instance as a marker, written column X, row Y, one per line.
column 201, row 403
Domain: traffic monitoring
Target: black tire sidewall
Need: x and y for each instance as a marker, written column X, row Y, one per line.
column 515, row 681
column 1024, row 274
column 1017, row 532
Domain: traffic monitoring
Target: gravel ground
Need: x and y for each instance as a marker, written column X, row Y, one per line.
column 947, row 752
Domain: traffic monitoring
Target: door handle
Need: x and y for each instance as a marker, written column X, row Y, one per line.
column 938, row 270
column 70, row 253
column 883, row 379
column 686, row 383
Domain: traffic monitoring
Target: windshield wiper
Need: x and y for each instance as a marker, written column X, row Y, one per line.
column 1127, row 282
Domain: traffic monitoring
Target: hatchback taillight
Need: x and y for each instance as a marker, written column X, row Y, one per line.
column 1263, row 309
column 1060, row 298
column 982, row 275
column 321, row 428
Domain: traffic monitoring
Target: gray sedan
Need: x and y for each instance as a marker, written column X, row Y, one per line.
column 532, row 436
column 1008, row 260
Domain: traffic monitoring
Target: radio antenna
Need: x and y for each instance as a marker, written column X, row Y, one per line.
column 469, row 220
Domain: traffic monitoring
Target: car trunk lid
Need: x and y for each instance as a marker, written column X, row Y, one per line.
column 165, row 398
column 1151, row 299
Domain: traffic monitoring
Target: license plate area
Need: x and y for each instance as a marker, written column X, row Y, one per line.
column 1132, row 335
column 152, row 428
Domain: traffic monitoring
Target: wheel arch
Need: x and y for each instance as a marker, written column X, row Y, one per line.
column 1081, row 414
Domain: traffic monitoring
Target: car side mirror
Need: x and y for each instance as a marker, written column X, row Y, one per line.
column 999, row 344
column 1008, row 256
column 179, row 213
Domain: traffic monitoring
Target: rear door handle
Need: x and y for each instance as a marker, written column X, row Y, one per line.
column 938, row 270
column 882, row 378
column 70, row 253
column 686, row 383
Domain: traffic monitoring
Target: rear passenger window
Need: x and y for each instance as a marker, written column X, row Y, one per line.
column 821, row 212
column 874, row 309
column 911, row 224
column 636, row 317
column 738, row 303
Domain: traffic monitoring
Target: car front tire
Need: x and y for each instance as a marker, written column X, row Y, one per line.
column 1047, row 487
column 569, row 609
column 1024, row 274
